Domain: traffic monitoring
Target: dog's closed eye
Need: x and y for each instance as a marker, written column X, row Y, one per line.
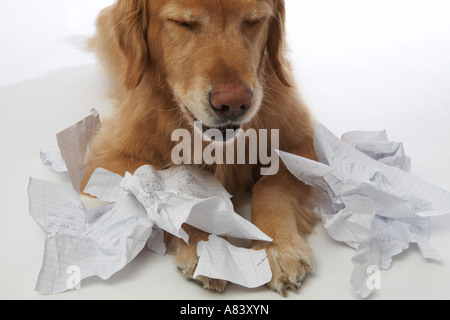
column 250, row 24
column 189, row 25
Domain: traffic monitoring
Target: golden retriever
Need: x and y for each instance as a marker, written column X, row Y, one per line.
column 223, row 63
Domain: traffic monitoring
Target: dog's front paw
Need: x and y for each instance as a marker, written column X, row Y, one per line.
column 290, row 261
column 186, row 261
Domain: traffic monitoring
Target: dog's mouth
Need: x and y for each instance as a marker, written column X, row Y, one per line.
column 223, row 132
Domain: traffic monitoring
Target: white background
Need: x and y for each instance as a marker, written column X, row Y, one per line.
column 360, row 64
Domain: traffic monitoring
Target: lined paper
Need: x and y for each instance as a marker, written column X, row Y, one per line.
column 82, row 243
column 74, row 144
column 221, row 260
column 99, row 242
column 182, row 195
column 103, row 240
column 375, row 205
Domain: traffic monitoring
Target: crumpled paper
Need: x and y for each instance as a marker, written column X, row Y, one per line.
column 374, row 204
column 101, row 241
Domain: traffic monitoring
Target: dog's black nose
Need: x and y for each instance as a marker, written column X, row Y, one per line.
column 231, row 101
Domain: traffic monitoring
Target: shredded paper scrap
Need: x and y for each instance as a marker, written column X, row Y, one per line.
column 375, row 205
column 103, row 240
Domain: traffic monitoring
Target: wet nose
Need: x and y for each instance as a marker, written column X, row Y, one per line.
column 231, row 101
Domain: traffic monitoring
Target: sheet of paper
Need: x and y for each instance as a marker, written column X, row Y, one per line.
column 74, row 144
column 99, row 242
column 105, row 185
column 220, row 260
column 54, row 160
column 376, row 145
column 81, row 243
column 177, row 196
column 103, row 240
column 376, row 208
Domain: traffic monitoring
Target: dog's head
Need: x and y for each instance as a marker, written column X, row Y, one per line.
column 213, row 55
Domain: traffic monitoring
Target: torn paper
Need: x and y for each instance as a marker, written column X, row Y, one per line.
column 100, row 242
column 376, row 145
column 221, row 260
column 103, row 240
column 374, row 207
column 97, row 242
column 177, row 196
column 189, row 195
column 54, row 160
column 74, row 144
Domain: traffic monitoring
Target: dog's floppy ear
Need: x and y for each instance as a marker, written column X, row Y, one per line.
column 130, row 29
column 275, row 43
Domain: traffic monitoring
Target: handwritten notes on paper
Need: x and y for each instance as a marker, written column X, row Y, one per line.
column 374, row 205
column 103, row 240
column 98, row 242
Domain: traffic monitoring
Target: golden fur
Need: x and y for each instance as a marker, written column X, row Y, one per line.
column 163, row 55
